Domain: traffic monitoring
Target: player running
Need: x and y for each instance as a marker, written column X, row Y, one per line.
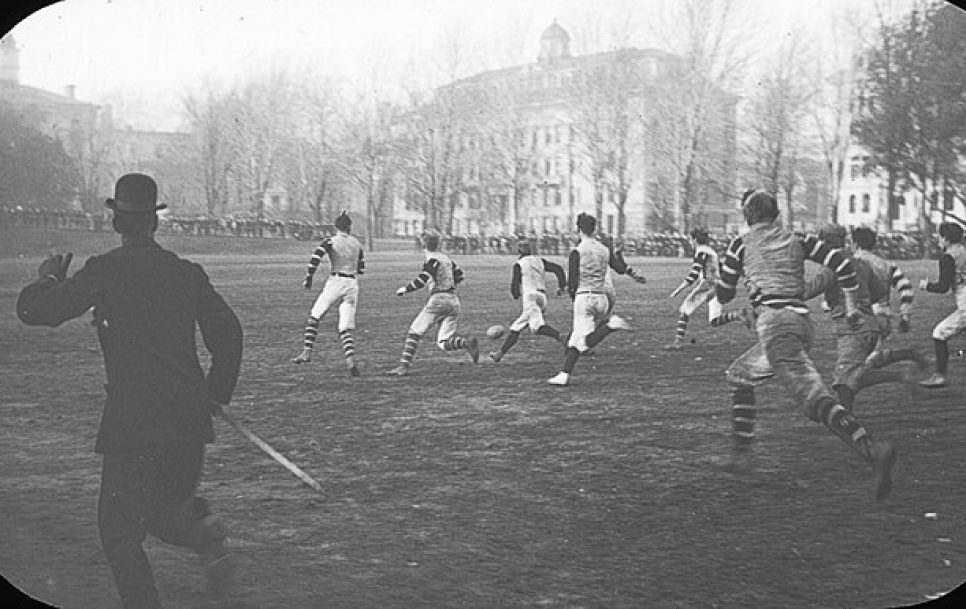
column 586, row 284
column 703, row 276
column 772, row 258
column 864, row 241
column 441, row 275
column 346, row 260
column 855, row 340
column 952, row 276
column 529, row 284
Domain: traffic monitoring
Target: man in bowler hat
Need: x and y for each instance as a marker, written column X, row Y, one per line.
column 157, row 417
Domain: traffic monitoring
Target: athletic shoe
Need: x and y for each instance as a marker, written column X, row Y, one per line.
column 400, row 370
column 303, row 357
column 473, row 346
column 496, row 356
column 675, row 346
column 561, row 379
column 354, row 371
column 616, row 322
column 883, row 459
column 935, row 381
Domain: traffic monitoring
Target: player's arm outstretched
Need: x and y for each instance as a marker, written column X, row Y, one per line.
column 833, row 259
column 621, row 267
column 697, row 265
column 430, row 268
column 325, row 247
column 557, row 270
column 731, row 268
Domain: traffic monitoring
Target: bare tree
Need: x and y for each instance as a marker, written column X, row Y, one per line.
column 208, row 114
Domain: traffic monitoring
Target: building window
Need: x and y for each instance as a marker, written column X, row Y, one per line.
column 546, row 168
column 276, row 201
column 866, row 203
column 557, row 197
column 856, row 171
column 948, row 200
column 851, row 204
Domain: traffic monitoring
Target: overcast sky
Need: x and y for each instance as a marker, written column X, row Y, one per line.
column 151, row 52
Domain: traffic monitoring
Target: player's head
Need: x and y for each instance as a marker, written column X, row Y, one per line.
column 432, row 242
column 700, row 235
column 343, row 222
column 951, row 232
column 833, row 234
column 586, row 224
column 758, row 206
column 523, row 248
column 864, row 237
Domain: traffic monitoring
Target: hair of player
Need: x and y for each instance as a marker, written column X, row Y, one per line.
column 586, row 224
column 758, row 206
column 700, row 235
column 134, row 225
column 951, row 232
column 833, row 234
column 864, row 237
column 523, row 248
column 343, row 222
column 432, row 242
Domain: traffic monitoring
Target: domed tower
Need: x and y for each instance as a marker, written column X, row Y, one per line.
column 9, row 61
column 554, row 44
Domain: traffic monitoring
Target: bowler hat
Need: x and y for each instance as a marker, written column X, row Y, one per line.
column 135, row 193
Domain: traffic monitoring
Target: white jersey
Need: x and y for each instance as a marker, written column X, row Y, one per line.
column 532, row 274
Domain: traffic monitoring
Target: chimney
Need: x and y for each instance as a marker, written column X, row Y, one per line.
column 69, row 91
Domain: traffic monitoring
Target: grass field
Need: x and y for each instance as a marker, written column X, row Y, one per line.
column 480, row 485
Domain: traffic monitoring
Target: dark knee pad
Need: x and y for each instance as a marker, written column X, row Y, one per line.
column 743, row 395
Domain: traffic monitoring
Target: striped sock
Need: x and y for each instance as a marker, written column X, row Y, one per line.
column 682, row 326
column 843, row 424
column 348, row 346
column 311, row 331
column 409, row 349
column 743, row 417
column 725, row 318
column 453, row 343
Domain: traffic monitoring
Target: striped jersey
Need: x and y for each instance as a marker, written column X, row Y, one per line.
column 439, row 273
column 704, row 265
column 772, row 259
column 892, row 276
column 345, row 255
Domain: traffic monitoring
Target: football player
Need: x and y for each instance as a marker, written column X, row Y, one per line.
column 952, row 276
column 586, row 284
column 772, row 258
column 528, row 283
column 346, row 261
column 703, row 275
column 440, row 275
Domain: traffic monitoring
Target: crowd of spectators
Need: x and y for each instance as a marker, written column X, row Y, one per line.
column 894, row 245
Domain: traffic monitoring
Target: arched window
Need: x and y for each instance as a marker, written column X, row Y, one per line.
column 866, row 203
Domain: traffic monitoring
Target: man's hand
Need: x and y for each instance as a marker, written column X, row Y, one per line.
column 676, row 291
column 401, row 291
column 307, row 282
column 923, row 283
column 852, row 315
column 55, row 266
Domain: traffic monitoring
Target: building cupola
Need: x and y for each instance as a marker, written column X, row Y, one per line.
column 554, row 44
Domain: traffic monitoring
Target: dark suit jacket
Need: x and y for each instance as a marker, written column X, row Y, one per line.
column 147, row 302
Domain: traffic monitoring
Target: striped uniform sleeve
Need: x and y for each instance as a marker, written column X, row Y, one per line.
column 429, row 272
column 831, row 258
column 324, row 248
column 902, row 285
column 700, row 260
column 731, row 269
